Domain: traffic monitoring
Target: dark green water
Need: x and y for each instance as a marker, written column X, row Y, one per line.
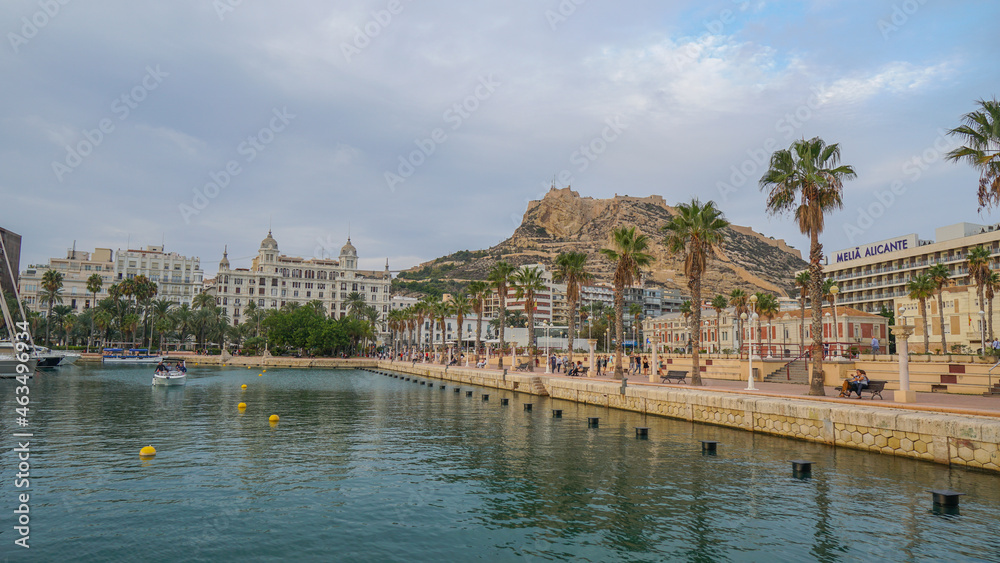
column 364, row 467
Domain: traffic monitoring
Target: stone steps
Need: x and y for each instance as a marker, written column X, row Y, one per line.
column 796, row 371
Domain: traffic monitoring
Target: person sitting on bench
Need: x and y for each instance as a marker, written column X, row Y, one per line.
column 854, row 384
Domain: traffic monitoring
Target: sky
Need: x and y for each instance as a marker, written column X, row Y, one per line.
column 423, row 128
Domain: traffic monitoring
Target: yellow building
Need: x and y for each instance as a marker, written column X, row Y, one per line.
column 964, row 328
column 76, row 269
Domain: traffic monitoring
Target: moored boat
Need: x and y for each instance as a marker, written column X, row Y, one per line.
column 10, row 360
column 135, row 356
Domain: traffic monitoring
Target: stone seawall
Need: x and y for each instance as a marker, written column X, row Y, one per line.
column 966, row 440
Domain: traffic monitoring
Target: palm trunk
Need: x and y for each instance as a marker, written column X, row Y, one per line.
column 444, row 336
column 503, row 324
column 48, row 324
column 479, row 329
column 802, row 326
column 927, row 335
column 532, row 343
column 619, row 330
column 458, row 341
column 944, row 341
column 572, row 329
column 696, row 331
column 816, row 279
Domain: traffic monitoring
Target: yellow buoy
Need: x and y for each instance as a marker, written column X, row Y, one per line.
column 260, row 375
column 265, row 371
column 248, row 367
column 244, row 386
column 241, row 406
column 274, row 418
column 147, row 451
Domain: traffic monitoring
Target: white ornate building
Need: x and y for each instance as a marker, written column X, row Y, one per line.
column 274, row 279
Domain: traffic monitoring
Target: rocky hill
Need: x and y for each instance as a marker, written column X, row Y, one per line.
column 563, row 221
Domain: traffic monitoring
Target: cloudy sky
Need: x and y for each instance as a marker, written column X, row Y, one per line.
column 425, row 127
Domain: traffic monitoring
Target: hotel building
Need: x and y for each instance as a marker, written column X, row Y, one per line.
column 76, row 269
column 274, row 279
column 178, row 278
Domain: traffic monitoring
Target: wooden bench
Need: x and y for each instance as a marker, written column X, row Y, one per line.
column 680, row 376
column 874, row 388
column 581, row 372
column 522, row 366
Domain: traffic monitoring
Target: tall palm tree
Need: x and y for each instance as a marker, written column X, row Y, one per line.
column 738, row 300
column 808, row 179
column 802, row 281
column 940, row 275
column 571, row 269
column 160, row 311
column 202, row 300
column 421, row 310
column 978, row 260
column 478, row 292
column 461, row 306
column 52, row 283
column 528, row 283
column 686, row 311
column 356, row 304
column 719, row 303
column 767, row 307
column 981, row 132
column 992, row 284
column 62, row 317
column 635, row 311
column 442, row 310
column 94, row 284
column 499, row 278
column 629, row 253
column 921, row 287
column 695, row 233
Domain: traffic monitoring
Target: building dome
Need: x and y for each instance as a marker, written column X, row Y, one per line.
column 224, row 263
column 269, row 243
column 348, row 249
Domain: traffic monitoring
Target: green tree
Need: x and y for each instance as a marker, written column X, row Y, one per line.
column 719, row 303
column 980, row 131
column 160, row 315
column 802, row 281
column 571, row 269
column 807, row 179
column 978, row 260
column 356, row 304
column 738, row 300
column 920, row 288
column 478, row 292
column 767, row 308
column 94, row 284
column 940, row 274
column 499, row 278
column 992, row 284
column 695, row 233
column 629, row 254
column 52, row 283
column 461, row 306
column 528, row 283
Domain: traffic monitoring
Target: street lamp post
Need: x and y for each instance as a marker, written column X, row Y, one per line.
column 982, row 331
column 834, row 290
column 548, row 364
column 754, row 317
column 902, row 332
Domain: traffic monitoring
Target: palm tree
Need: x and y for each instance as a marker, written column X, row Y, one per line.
column 920, row 288
column 628, row 252
column 160, row 311
column 686, row 312
column 981, row 133
column 316, row 306
column 356, row 304
column 421, row 309
column 719, row 303
column 478, row 292
column 183, row 321
column 52, row 283
column 94, row 284
column 695, row 232
column 527, row 283
column 978, row 260
column 571, row 269
column 940, row 275
column 808, row 180
column 499, row 277
column 635, row 311
column 767, row 307
column 62, row 316
column 202, row 300
column 442, row 310
column 802, row 280
column 461, row 306
column 992, row 284
column 397, row 324
column 738, row 299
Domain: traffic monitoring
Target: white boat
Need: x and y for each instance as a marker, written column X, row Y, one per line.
column 48, row 358
column 9, row 362
column 176, row 375
column 135, row 356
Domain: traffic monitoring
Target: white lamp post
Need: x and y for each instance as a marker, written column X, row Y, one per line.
column 753, row 319
column 548, row 364
column 750, row 385
column 834, row 290
column 982, row 331
column 902, row 332
column 827, row 317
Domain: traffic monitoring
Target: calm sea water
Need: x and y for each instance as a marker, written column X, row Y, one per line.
column 363, row 467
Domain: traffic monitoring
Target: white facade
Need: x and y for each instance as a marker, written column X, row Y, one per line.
column 178, row 278
column 76, row 269
column 274, row 279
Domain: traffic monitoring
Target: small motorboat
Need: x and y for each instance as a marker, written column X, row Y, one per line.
column 170, row 375
column 133, row 356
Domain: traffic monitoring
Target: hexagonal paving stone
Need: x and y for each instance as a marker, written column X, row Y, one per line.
column 965, row 453
column 920, row 447
column 857, row 437
column 982, row 456
column 868, row 439
column 906, row 444
column 893, row 442
column 881, row 441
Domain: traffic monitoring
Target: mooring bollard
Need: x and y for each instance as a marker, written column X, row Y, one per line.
column 592, row 421
column 624, row 384
column 708, row 446
column 641, row 432
column 527, row 406
column 556, row 413
column 486, row 397
column 504, row 402
column 945, row 497
column 800, row 467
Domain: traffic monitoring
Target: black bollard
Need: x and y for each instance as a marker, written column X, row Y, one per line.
column 708, row 446
column 556, row 413
column 945, row 498
column 641, row 432
column 592, row 421
column 801, row 468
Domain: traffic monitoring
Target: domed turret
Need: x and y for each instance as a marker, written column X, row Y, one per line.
column 269, row 243
column 349, row 256
column 224, row 263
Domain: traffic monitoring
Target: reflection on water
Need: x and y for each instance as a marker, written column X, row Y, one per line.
column 363, row 467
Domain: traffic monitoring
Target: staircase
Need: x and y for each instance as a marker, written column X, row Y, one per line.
column 537, row 387
column 993, row 391
column 795, row 371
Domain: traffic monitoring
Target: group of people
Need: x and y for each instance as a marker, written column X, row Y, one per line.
column 854, row 384
column 162, row 367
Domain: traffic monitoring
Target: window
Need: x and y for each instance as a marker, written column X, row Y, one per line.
column 321, row 295
column 274, row 292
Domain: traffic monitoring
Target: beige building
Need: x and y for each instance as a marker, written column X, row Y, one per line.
column 873, row 275
column 76, row 269
column 964, row 328
column 178, row 278
column 274, row 279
